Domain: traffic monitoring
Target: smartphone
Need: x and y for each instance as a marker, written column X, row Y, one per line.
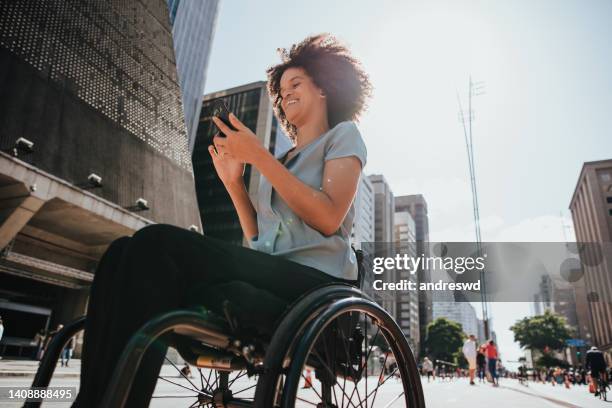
column 221, row 111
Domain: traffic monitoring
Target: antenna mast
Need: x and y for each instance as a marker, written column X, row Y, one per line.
column 475, row 89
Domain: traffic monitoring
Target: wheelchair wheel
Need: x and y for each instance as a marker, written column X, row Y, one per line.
column 349, row 354
column 202, row 387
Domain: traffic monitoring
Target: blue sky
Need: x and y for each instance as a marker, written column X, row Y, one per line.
column 546, row 67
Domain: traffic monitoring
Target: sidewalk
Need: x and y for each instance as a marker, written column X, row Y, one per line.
column 27, row 368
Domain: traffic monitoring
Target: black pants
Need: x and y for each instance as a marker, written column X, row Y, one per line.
column 159, row 269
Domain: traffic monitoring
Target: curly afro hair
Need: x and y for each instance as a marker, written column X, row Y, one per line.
column 333, row 69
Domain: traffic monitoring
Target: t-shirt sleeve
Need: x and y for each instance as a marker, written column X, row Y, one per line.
column 346, row 141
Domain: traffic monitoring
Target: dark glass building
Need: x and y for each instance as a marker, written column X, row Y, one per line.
column 193, row 26
column 93, row 147
column 251, row 104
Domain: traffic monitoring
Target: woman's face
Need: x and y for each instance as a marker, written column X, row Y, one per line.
column 300, row 96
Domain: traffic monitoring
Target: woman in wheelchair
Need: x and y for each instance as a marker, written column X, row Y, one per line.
column 298, row 229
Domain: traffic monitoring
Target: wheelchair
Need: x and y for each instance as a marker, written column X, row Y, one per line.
column 332, row 347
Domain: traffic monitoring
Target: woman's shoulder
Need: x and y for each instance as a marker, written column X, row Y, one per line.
column 347, row 126
column 343, row 140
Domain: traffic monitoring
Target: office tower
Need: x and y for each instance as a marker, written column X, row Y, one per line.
column 363, row 223
column 416, row 205
column 383, row 246
column 384, row 208
column 407, row 301
column 251, row 105
column 591, row 207
column 93, row 147
column 193, row 26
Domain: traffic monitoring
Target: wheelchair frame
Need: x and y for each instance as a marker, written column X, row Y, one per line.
column 307, row 315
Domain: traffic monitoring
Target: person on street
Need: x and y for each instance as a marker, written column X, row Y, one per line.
column 492, row 362
column 481, row 364
column 469, row 352
column 67, row 352
column 428, row 368
column 596, row 362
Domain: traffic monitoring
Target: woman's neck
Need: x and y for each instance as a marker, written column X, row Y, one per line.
column 309, row 132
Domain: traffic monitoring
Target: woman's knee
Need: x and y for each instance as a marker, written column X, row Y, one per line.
column 154, row 235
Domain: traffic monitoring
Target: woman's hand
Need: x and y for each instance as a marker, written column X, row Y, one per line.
column 241, row 145
column 230, row 170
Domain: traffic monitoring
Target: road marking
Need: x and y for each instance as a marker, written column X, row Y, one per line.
column 549, row 399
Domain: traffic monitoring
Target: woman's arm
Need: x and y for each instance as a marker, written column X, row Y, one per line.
column 246, row 212
column 323, row 210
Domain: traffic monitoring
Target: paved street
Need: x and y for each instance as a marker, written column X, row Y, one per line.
column 438, row 394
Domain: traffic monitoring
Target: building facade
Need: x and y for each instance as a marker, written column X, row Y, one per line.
column 193, row 27
column 94, row 147
column 416, row 205
column 383, row 245
column 363, row 223
column 407, row 301
column 460, row 312
column 251, row 105
column 591, row 207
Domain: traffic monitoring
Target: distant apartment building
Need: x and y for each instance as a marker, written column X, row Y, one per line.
column 384, row 209
column 193, row 27
column 416, row 205
column 591, row 207
column 363, row 223
column 407, row 301
column 251, row 104
column 384, row 204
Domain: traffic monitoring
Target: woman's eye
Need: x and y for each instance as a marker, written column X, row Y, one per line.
column 295, row 85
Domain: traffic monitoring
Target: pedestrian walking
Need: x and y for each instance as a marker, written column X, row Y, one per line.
column 492, row 362
column 67, row 352
column 469, row 352
column 428, row 368
column 481, row 364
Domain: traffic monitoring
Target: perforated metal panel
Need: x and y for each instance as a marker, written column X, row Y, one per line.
column 114, row 55
column 93, row 84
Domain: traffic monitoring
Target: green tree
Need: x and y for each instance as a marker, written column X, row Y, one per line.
column 444, row 339
column 543, row 333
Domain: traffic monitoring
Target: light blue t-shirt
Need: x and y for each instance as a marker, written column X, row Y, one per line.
column 283, row 233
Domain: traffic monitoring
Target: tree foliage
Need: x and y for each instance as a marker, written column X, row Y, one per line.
column 548, row 360
column 542, row 333
column 444, row 339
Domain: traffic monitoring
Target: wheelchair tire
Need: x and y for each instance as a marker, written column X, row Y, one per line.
column 340, row 341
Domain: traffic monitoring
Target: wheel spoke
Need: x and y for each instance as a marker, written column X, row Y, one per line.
column 364, row 335
column 393, row 400
column 241, row 373
column 182, row 386
column 201, row 377
column 195, row 387
column 248, row 388
column 378, row 386
column 382, row 370
column 312, row 387
column 330, row 371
